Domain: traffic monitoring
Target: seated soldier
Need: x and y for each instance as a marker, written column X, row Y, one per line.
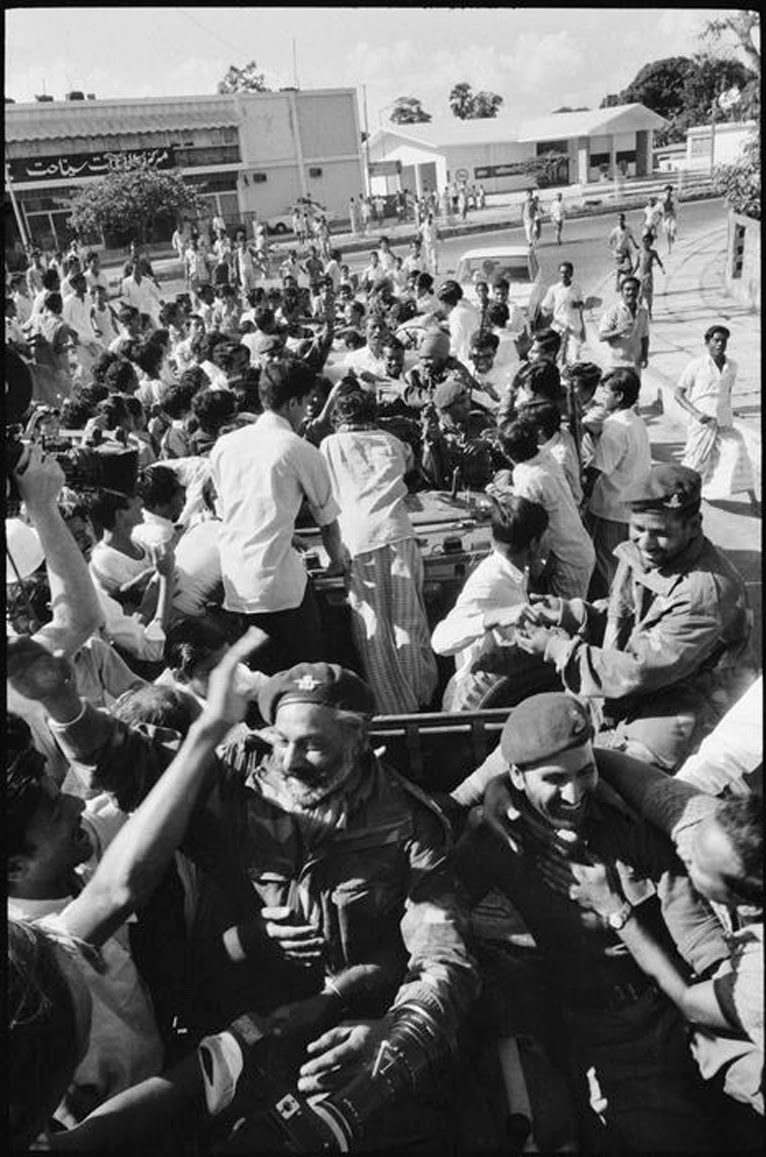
column 459, row 438
column 359, row 920
column 434, row 365
column 583, row 997
column 670, row 651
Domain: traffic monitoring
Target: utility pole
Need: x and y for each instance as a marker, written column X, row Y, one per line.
column 16, row 210
column 366, row 142
column 295, row 66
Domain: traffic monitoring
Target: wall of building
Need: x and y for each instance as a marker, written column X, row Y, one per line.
column 743, row 260
column 729, row 139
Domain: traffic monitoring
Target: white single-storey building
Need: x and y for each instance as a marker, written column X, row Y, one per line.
column 595, row 144
column 729, row 140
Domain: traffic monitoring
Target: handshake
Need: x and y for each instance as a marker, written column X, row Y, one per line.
column 528, row 626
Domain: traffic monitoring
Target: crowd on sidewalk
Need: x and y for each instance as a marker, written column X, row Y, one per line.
column 231, row 922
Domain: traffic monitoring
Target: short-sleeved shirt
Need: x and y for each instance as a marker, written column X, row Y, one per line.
column 261, row 474
column 112, row 569
column 367, row 469
column 626, row 349
column 709, row 388
column 563, row 301
column 622, row 456
column 542, row 480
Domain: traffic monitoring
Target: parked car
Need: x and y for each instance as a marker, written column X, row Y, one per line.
column 519, row 266
column 280, row 224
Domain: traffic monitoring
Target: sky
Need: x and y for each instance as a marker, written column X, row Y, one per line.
column 537, row 59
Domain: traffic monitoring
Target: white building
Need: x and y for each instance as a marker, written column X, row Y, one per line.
column 599, row 143
column 727, row 146
column 255, row 153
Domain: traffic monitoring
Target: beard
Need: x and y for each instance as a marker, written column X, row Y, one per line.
column 301, row 794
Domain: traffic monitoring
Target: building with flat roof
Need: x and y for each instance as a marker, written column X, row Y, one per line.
column 251, row 153
column 594, row 144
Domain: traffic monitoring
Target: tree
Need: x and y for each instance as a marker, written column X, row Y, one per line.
column 549, row 168
column 468, row 105
column 130, row 198
column 740, row 183
column 745, row 26
column 408, row 110
column 658, row 85
column 247, row 79
column 579, row 108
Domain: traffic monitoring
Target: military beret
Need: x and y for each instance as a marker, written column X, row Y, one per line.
column 543, row 726
column 435, row 343
column 448, row 392
column 666, row 487
column 325, row 684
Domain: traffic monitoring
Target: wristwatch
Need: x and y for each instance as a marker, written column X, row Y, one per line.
column 617, row 920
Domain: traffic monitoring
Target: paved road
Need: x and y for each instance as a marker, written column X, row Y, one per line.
column 584, row 245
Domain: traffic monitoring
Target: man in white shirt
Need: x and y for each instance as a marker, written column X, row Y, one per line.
column 262, row 473
column 369, row 362
column 563, row 305
column 462, row 318
column 622, row 457
column 385, row 256
column 373, row 273
column 140, row 291
column 499, row 582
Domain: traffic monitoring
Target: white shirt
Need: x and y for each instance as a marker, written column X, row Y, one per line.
column 153, row 531
column 733, row 750
column 76, row 313
column 708, row 388
column 387, row 260
column 565, row 303
column 261, row 475
column 542, row 480
column 623, row 456
column 367, row 469
column 111, row 569
column 625, row 349
column 145, row 297
column 463, row 322
column 557, row 211
column 197, row 568
column 494, row 583
column 562, row 447
column 363, row 360
column 127, row 631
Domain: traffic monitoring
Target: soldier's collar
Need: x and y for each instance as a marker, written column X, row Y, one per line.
column 664, row 579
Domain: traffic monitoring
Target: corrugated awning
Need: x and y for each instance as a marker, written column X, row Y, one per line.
column 63, row 120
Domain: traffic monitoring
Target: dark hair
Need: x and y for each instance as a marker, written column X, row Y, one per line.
column 716, row 329
column 210, row 341
column 157, row 705
column 50, row 279
column 42, row 1029
column 149, row 357
column 120, row 376
column 483, row 341
column 157, row 485
column 102, row 364
column 53, row 301
column 264, row 318
column 540, row 378
column 549, row 339
column 450, row 293
column 566, row 265
column 354, row 405
column 498, row 314
column 425, row 281
column 741, row 818
column 75, row 412
column 195, row 378
column 627, row 382
column 105, row 505
column 546, row 418
column 177, row 402
column 190, row 643
column 501, row 283
column 519, row 440
column 628, row 280
column 213, row 409
column 517, row 522
column 284, row 380
column 586, row 372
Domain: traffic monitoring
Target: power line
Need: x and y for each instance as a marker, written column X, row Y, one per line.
column 234, row 47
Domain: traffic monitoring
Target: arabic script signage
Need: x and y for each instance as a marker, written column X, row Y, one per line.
column 67, row 168
column 514, row 169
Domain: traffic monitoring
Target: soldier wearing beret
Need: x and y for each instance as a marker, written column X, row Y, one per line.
column 456, row 437
column 668, row 653
column 584, row 999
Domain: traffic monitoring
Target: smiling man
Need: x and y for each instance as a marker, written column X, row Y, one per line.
column 621, row 1041
column 669, row 654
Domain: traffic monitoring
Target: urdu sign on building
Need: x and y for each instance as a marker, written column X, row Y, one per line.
column 69, row 167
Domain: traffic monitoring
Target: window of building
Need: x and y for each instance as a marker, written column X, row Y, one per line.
column 551, row 147
column 215, row 155
column 315, row 172
column 738, row 251
column 699, row 146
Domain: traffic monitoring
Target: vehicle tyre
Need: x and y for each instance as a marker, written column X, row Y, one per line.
column 280, row 228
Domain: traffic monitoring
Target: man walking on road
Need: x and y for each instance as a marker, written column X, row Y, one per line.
column 623, row 244
column 625, row 329
column 563, row 306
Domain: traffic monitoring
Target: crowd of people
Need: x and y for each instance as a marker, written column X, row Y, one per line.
column 232, row 924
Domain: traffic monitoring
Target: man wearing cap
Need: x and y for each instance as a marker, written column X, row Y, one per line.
column 435, row 364
column 669, row 653
column 360, row 913
column 623, row 1042
column 455, row 437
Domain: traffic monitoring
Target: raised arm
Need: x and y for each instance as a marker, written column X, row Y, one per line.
column 137, row 857
column 76, row 609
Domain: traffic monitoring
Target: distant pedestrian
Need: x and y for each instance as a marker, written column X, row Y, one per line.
column 379, row 205
column 558, row 213
column 669, row 215
column 652, row 218
column 366, row 211
column 562, row 307
column 625, row 328
column 430, row 236
column 623, row 245
column 531, row 217
column 353, row 216
column 462, row 203
column 648, row 257
column 714, row 448
column 445, row 204
column 481, row 197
